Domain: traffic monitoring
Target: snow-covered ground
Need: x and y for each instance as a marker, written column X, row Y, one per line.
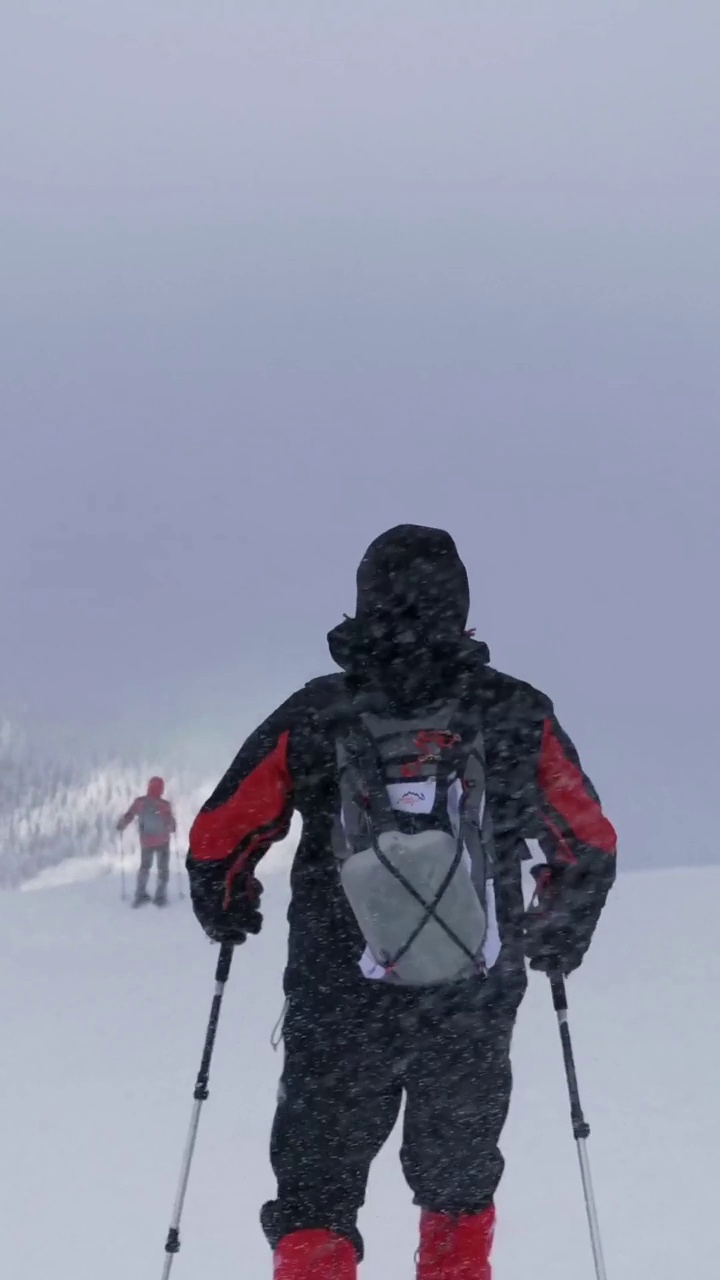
column 102, row 1016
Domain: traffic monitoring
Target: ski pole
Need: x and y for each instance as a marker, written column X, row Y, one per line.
column 172, row 1244
column 122, row 868
column 179, row 869
column 581, row 1128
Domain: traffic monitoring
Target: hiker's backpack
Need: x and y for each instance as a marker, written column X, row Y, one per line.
column 153, row 818
column 413, row 843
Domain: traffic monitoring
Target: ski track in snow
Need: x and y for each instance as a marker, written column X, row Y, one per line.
column 103, row 1012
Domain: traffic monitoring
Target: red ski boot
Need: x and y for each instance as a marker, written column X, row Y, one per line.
column 455, row 1248
column 314, row 1255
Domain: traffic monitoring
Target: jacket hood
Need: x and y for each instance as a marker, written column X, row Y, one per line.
column 155, row 788
column 408, row 634
column 413, row 576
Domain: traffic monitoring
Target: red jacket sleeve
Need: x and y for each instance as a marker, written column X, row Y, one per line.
column 575, row 829
column 128, row 817
column 252, row 806
column 576, row 837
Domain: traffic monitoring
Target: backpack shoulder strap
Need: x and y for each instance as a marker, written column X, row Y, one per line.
column 475, row 816
column 362, row 774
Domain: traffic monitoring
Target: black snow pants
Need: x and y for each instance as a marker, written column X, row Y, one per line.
column 346, row 1070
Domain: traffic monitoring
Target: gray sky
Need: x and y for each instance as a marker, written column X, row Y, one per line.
column 278, row 275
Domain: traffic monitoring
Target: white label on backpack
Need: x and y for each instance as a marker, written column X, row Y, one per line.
column 413, row 796
column 370, row 967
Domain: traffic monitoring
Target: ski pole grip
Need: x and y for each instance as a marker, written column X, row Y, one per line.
column 559, row 995
column 224, row 961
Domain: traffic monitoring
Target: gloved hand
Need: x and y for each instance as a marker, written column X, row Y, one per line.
column 556, row 938
column 550, row 946
column 225, row 916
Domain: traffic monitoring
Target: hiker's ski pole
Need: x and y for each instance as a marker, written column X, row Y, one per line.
column 122, row 868
column 581, row 1128
column 172, row 1244
column 179, row 869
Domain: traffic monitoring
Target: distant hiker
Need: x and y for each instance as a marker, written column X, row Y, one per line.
column 419, row 771
column 156, row 823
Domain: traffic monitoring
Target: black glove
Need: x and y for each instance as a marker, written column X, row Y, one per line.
column 558, row 927
column 225, row 916
column 550, row 946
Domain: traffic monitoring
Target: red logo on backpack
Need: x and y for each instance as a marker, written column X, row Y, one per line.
column 425, row 741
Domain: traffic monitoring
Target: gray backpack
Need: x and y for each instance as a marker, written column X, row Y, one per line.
column 413, row 842
column 153, row 817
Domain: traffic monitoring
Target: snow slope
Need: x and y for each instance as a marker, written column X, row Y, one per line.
column 103, row 1010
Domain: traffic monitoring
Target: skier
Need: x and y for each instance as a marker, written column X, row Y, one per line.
column 419, row 772
column 156, row 823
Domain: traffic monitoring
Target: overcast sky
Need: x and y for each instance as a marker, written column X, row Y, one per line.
column 278, row 275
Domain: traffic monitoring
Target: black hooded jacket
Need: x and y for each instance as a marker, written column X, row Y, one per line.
column 407, row 644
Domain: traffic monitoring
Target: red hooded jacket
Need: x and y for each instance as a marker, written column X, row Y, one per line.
column 154, row 814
